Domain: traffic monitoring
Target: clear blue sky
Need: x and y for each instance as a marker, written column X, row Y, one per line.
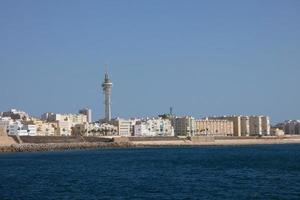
column 201, row 57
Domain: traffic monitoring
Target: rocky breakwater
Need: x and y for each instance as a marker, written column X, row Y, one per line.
column 63, row 146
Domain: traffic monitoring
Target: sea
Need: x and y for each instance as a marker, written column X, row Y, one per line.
column 211, row 172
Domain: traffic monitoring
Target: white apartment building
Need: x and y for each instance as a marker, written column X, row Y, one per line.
column 154, row 127
column 17, row 128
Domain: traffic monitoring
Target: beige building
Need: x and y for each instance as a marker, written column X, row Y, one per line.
column 184, row 126
column 215, row 127
column 64, row 128
column 44, row 128
column 72, row 118
column 124, row 126
column 245, row 126
column 248, row 125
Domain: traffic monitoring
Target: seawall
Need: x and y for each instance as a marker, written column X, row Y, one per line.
column 49, row 143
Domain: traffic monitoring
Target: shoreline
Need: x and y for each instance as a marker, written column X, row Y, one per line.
column 49, row 147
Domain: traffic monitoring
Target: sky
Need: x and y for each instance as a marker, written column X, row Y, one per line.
column 203, row 58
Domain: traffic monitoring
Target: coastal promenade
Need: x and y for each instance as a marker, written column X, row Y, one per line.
column 35, row 143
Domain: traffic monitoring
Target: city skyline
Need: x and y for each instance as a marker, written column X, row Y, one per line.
column 202, row 59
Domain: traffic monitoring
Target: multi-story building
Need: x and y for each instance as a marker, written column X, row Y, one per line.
column 248, row 125
column 245, row 126
column 17, row 128
column 184, row 126
column 265, row 125
column 87, row 112
column 154, row 127
column 255, row 124
column 44, row 128
column 72, row 118
column 291, row 127
column 16, row 114
column 237, row 123
column 259, row 125
column 217, row 127
column 64, row 128
column 124, row 126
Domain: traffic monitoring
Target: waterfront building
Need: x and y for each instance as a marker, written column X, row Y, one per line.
column 106, row 86
column 245, row 126
column 124, row 126
column 64, row 128
column 87, row 112
column 17, row 128
column 259, row 125
column 30, row 128
column 43, row 128
column 237, row 123
column 265, row 125
column 291, row 127
column 48, row 129
column 216, row 127
column 184, row 126
column 248, row 125
column 154, row 127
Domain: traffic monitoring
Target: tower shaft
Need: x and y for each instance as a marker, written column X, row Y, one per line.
column 106, row 86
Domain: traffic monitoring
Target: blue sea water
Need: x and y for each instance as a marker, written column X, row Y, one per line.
column 230, row 172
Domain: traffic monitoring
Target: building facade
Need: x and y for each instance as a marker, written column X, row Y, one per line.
column 184, row 126
column 216, row 127
column 88, row 113
column 248, row 125
column 153, row 127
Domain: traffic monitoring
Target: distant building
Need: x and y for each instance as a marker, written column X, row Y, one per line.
column 44, row 128
column 88, row 113
column 17, row 128
column 154, row 127
column 72, row 118
column 124, row 126
column 95, row 129
column 276, row 132
column 64, row 128
column 16, row 114
column 184, row 126
column 248, row 125
column 216, row 127
column 291, row 127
